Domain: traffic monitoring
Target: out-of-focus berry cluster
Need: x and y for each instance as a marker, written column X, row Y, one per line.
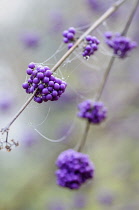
column 121, row 45
column 69, row 36
column 94, row 112
column 31, row 39
column 46, row 85
column 75, row 168
column 91, row 46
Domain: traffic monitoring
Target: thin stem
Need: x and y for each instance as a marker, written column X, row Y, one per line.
column 7, row 136
column 130, row 18
column 84, row 137
column 110, row 11
column 105, row 78
column 126, row 28
column 17, row 114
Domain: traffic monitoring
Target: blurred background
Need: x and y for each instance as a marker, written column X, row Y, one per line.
column 32, row 31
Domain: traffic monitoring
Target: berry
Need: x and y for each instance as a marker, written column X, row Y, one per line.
column 70, row 36
column 45, row 79
column 56, row 86
column 94, row 112
column 72, row 30
column 45, row 91
column 74, row 169
column 31, row 65
column 40, row 75
column 29, row 71
column 70, row 45
column 25, row 85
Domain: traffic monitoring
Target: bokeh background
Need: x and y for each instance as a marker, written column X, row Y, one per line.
column 31, row 31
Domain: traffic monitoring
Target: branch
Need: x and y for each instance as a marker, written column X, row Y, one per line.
column 110, row 11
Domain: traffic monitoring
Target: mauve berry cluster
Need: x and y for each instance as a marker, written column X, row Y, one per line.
column 121, row 45
column 91, row 46
column 94, row 112
column 75, row 169
column 46, row 85
column 69, row 36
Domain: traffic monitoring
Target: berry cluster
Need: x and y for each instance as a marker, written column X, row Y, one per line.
column 75, row 169
column 91, row 46
column 41, row 80
column 121, row 45
column 94, row 112
column 69, row 37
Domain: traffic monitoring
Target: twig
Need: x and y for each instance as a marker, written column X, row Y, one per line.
column 130, row 19
column 110, row 11
column 79, row 149
column 6, row 129
column 105, row 78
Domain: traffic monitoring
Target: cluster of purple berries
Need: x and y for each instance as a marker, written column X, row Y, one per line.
column 121, row 45
column 94, row 112
column 91, row 46
column 75, row 168
column 69, row 37
column 41, row 80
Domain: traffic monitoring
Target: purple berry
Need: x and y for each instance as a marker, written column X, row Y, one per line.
column 54, row 93
column 46, row 68
column 40, row 75
column 65, row 33
column 45, row 91
column 34, row 73
column 41, row 86
column 88, row 38
column 36, row 80
column 52, row 78
column 29, row 71
column 38, row 99
column 62, row 87
column 48, row 73
column 25, row 85
column 65, row 40
column 49, row 97
column 72, row 30
column 50, row 88
column 46, row 80
column 108, row 34
column 31, row 65
column 70, row 45
column 56, row 86
column 57, row 80
column 42, row 69
column 70, row 36
column 51, row 83
column 30, row 80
